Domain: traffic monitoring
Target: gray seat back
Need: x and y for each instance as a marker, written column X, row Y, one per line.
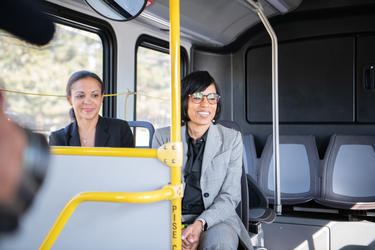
column 146, row 125
column 299, row 165
column 348, row 172
column 97, row 225
column 250, row 157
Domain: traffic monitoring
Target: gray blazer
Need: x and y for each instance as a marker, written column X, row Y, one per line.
column 220, row 177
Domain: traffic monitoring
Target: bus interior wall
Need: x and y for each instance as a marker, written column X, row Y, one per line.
column 325, row 87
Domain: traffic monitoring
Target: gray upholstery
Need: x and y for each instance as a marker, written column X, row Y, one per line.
column 97, row 225
column 299, row 169
column 250, row 156
column 348, row 172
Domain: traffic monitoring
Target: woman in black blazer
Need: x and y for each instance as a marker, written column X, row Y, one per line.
column 85, row 92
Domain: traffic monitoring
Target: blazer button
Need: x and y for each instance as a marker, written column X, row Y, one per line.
column 206, row 195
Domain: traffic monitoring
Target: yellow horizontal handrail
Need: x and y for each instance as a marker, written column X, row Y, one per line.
column 98, row 151
column 166, row 193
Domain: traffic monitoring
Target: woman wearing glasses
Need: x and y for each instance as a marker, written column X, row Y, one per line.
column 211, row 170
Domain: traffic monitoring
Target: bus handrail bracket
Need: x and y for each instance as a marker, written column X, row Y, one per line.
column 171, row 154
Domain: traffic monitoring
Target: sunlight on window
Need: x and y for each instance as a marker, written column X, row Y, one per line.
column 153, row 91
column 45, row 70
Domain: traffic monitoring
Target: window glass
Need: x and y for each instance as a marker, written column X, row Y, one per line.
column 45, row 70
column 153, row 91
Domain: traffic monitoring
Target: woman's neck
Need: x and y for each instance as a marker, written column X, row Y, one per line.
column 87, row 126
column 196, row 131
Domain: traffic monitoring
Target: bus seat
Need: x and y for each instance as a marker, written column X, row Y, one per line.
column 250, row 156
column 299, row 169
column 348, row 173
column 259, row 211
column 148, row 126
column 97, row 225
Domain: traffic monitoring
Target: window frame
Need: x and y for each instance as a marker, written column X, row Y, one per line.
column 104, row 30
column 160, row 45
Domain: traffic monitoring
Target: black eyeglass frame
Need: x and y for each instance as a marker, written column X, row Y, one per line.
column 210, row 101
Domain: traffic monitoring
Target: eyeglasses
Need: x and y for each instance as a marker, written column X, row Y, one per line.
column 212, row 98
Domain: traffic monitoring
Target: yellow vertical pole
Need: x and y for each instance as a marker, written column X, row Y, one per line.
column 174, row 13
column 174, row 9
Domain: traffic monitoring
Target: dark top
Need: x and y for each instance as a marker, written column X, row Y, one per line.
column 109, row 133
column 192, row 202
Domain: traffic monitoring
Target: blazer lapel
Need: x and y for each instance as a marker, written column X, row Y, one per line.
column 185, row 149
column 184, row 144
column 101, row 133
column 74, row 136
column 211, row 148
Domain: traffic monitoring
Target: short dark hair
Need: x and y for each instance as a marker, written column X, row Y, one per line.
column 78, row 76
column 196, row 82
column 82, row 75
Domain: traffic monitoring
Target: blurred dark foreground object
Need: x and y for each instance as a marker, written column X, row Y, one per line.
column 35, row 164
column 26, row 20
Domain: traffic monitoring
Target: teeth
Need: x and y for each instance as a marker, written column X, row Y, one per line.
column 203, row 113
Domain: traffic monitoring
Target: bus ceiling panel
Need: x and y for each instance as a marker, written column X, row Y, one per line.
column 311, row 5
column 72, row 3
column 214, row 22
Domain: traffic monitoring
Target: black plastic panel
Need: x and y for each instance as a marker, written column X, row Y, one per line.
column 366, row 79
column 315, row 81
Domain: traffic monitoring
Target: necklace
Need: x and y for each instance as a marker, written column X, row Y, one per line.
column 84, row 141
column 88, row 137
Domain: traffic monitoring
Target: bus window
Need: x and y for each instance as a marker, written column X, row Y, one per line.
column 153, row 88
column 153, row 91
column 45, row 70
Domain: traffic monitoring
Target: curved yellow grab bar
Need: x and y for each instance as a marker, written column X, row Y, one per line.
column 97, row 151
column 166, row 193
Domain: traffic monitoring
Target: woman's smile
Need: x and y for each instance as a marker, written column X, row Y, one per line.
column 88, row 110
column 204, row 114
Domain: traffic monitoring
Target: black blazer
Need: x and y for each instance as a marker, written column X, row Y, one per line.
column 109, row 133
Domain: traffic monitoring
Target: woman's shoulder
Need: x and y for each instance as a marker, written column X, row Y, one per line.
column 58, row 132
column 163, row 131
column 114, row 122
column 59, row 137
column 62, row 131
column 161, row 136
column 229, row 136
column 225, row 131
